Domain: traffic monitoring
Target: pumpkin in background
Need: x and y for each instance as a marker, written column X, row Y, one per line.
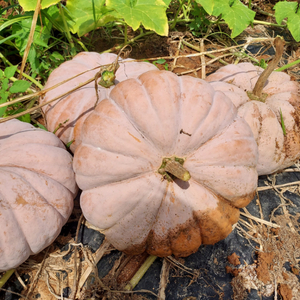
column 278, row 141
column 148, row 129
column 37, row 188
column 70, row 111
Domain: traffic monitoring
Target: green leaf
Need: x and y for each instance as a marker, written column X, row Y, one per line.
column 208, row 5
column 289, row 10
column 4, row 84
column 12, row 21
column 10, row 71
column 40, row 126
column 41, row 34
column 31, row 4
column 167, row 2
column 19, row 86
column 150, row 13
column 86, row 15
column 235, row 14
column 7, row 40
column 33, row 59
column 3, row 98
column 160, row 61
column 56, row 56
column 25, row 118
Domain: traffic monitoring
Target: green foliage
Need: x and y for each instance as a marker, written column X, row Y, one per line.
column 162, row 62
column 39, row 125
column 262, row 63
column 200, row 23
column 291, row 11
column 31, row 4
column 84, row 16
column 235, row 14
column 16, row 32
column 7, row 89
column 150, row 13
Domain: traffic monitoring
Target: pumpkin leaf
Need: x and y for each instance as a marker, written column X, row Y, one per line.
column 291, row 11
column 31, row 4
column 150, row 13
column 84, row 16
column 208, row 5
column 235, row 14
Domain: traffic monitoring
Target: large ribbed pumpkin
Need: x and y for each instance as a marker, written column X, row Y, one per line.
column 67, row 114
column 135, row 140
column 278, row 141
column 37, row 188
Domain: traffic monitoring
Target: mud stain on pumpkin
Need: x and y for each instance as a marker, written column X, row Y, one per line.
column 181, row 241
column 21, row 201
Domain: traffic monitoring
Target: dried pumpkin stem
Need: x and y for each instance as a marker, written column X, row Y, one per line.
column 5, row 277
column 279, row 47
column 175, row 168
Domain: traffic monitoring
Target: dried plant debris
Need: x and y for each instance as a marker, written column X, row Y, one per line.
column 260, row 259
column 276, row 268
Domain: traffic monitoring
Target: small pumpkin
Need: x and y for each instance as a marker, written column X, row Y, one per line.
column 141, row 145
column 273, row 115
column 67, row 114
column 37, row 188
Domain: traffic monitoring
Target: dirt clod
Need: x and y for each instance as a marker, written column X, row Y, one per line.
column 285, row 292
column 234, row 259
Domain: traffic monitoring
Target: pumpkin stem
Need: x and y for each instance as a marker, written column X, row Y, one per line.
column 174, row 166
column 279, row 47
column 140, row 273
column 5, row 277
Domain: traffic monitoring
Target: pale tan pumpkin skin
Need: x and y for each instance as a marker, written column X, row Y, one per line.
column 123, row 143
column 72, row 110
column 37, row 188
column 276, row 150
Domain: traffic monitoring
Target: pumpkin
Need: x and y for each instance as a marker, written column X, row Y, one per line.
column 165, row 164
column 37, row 188
column 274, row 116
column 67, row 114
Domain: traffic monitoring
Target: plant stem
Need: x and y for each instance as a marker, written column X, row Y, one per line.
column 176, row 16
column 279, row 46
column 129, row 42
column 199, row 50
column 267, row 23
column 5, row 277
column 125, row 34
column 175, row 168
column 140, row 273
column 288, row 65
column 82, row 45
column 66, row 30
